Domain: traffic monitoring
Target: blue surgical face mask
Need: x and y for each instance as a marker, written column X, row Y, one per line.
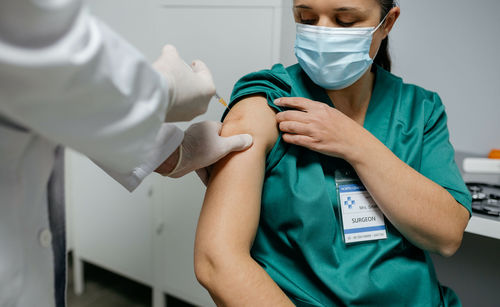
column 334, row 58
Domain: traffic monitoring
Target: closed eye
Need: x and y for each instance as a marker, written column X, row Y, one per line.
column 308, row 21
column 345, row 24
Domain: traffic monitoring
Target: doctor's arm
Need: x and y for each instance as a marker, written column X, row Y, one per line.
column 69, row 78
column 230, row 215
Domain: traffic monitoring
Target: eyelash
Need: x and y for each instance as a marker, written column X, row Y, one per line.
column 308, row 21
column 340, row 23
column 344, row 24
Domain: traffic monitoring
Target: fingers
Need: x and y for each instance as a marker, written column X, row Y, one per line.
column 295, row 128
column 238, row 142
column 210, row 126
column 173, row 57
column 170, row 50
column 301, row 104
column 211, row 131
column 292, row 116
column 206, row 130
column 168, row 53
column 295, row 122
column 199, row 66
column 201, row 69
column 299, row 140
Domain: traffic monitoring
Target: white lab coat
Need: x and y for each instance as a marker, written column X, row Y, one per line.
column 66, row 78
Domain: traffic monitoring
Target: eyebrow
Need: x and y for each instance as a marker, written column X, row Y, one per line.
column 340, row 9
column 301, row 6
column 347, row 9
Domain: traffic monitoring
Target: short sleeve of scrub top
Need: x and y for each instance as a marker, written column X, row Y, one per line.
column 438, row 156
column 299, row 239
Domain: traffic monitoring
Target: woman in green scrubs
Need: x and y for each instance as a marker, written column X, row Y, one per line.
column 275, row 229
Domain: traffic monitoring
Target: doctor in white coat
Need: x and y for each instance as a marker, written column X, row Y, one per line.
column 66, row 78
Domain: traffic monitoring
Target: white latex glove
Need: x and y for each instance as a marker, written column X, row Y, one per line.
column 190, row 88
column 203, row 146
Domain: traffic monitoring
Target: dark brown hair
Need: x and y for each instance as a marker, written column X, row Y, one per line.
column 383, row 58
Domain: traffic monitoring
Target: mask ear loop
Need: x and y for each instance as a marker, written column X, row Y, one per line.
column 380, row 24
column 395, row 4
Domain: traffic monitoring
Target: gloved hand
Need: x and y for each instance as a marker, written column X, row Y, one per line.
column 190, row 88
column 203, row 146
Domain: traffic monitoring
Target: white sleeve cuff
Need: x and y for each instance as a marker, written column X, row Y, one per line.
column 168, row 140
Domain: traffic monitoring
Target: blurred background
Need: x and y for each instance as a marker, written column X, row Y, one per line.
column 137, row 249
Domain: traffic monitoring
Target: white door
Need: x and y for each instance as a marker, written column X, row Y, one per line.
column 111, row 228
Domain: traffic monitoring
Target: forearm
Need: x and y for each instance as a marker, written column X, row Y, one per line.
column 424, row 212
column 240, row 281
column 230, row 215
column 226, row 229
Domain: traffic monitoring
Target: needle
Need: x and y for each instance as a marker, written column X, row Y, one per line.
column 217, row 96
column 221, row 100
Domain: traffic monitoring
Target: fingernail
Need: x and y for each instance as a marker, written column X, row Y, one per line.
column 249, row 140
column 277, row 101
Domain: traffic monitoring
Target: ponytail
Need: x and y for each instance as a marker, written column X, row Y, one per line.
column 383, row 58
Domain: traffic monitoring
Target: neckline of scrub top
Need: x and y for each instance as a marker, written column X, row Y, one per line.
column 376, row 121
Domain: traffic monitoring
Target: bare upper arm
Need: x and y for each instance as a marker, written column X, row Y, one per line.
column 231, row 209
column 254, row 116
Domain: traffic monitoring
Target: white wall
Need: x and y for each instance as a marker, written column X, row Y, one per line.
column 451, row 47
column 288, row 35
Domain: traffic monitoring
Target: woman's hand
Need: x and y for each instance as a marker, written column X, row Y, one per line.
column 321, row 128
column 423, row 211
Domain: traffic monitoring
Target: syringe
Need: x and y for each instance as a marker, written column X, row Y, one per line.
column 216, row 96
column 221, row 100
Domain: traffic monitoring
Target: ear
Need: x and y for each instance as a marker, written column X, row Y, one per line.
column 392, row 16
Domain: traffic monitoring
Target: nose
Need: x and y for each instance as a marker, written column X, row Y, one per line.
column 325, row 21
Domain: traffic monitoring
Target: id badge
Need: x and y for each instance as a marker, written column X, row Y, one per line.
column 362, row 220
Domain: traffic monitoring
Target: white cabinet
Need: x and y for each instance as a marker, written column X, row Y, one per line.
column 149, row 235
column 109, row 226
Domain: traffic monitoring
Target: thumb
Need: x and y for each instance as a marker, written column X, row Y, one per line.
column 238, row 142
column 205, row 76
column 199, row 66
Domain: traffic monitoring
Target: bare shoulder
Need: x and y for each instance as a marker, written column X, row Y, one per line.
column 254, row 116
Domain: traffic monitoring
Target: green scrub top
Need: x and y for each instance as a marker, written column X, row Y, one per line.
column 299, row 239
